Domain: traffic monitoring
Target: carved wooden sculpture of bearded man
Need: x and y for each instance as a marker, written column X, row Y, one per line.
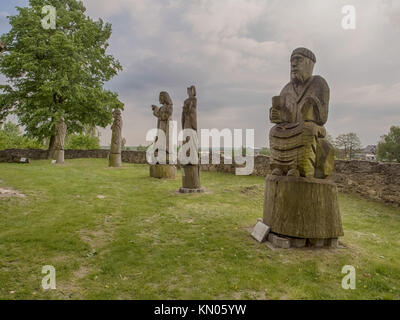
column 300, row 205
column 297, row 141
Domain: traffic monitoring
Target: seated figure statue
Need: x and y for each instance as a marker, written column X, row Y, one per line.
column 297, row 141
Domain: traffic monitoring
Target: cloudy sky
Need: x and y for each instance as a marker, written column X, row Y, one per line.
column 237, row 54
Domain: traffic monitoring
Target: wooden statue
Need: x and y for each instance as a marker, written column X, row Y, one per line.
column 61, row 131
column 116, row 140
column 191, row 171
column 299, row 202
column 164, row 116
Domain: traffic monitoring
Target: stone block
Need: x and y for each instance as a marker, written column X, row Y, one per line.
column 317, row 243
column 260, row 232
column 186, row 190
column 298, row 243
column 332, row 243
column 279, row 242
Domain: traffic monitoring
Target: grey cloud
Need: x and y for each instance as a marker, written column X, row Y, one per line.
column 237, row 53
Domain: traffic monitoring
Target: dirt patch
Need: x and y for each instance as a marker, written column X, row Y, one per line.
column 97, row 239
column 7, row 193
column 252, row 190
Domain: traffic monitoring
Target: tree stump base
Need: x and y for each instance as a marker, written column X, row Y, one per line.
column 163, row 171
column 115, row 160
column 191, row 178
column 302, row 208
column 59, row 156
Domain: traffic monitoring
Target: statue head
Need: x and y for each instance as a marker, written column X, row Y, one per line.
column 62, row 119
column 165, row 99
column 117, row 112
column 302, row 64
column 191, row 91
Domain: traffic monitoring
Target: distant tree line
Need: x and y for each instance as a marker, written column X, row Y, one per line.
column 389, row 146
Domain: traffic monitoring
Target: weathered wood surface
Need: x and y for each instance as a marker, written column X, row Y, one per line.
column 302, row 207
column 115, row 160
column 191, row 177
column 59, row 156
column 163, row 171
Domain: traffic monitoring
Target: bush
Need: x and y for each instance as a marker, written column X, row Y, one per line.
column 82, row 142
column 11, row 137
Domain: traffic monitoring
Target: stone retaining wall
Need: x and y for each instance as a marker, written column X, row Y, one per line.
column 13, row 155
column 379, row 181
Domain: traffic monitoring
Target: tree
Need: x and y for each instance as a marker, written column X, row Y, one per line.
column 12, row 138
column 389, row 146
column 82, row 141
column 349, row 144
column 57, row 72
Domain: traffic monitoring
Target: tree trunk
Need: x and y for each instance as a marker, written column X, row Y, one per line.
column 162, row 171
column 302, row 208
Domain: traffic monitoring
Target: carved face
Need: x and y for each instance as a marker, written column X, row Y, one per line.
column 161, row 99
column 165, row 99
column 191, row 91
column 117, row 112
column 301, row 68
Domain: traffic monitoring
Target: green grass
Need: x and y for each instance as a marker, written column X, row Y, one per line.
column 146, row 241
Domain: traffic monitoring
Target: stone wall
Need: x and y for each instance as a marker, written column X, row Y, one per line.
column 13, row 155
column 379, row 181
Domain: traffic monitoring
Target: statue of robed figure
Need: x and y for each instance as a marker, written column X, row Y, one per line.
column 60, row 133
column 116, row 140
column 300, row 203
column 191, row 169
column 162, row 169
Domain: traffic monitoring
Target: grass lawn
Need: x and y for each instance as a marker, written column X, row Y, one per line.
column 142, row 240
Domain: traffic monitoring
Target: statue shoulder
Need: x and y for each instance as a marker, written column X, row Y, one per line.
column 286, row 88
column 320, row 81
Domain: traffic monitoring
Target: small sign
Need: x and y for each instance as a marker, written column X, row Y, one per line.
column 23, row 160
column 53, row 161
column 260, row 232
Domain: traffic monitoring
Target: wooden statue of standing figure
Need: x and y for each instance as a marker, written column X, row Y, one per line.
column 164, row 116
column 60, row 133
column 116, row 140
column 191, row 171
column 300, row 203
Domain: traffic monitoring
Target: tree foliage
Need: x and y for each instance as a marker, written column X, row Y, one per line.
column 389, row 146
column 348, row 145
column 11, row 137
column 60, row 72
column 82, row 141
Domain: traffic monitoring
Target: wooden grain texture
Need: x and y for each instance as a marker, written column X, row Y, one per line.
column 162, row 171
column 114, row 160
column 302, row 207
column 191, row 177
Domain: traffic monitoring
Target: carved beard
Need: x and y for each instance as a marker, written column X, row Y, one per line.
column 301, row 76
column 303, row 73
